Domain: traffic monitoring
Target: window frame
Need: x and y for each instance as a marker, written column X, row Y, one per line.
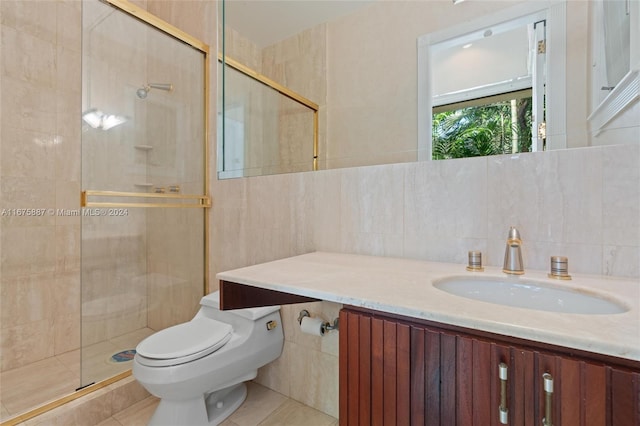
column 554, row 12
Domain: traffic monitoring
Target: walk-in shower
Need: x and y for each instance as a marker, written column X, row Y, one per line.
column 144, row 90
column 128, row 259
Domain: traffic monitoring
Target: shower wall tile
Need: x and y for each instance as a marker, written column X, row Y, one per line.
column 66, row 310
column 41, row 98
column 33, row 58
column 25, row 299
column 69, row 73
column 241, row 49
column 27, row 193
column 68, row 247
column 28, row 106
column 27, row 154
column 300, row 63
column 26, row 245
column 29, row 342
column 195, row 16
column 66, row 330
column 67, row 35
column 33, row 17
column 67, row 199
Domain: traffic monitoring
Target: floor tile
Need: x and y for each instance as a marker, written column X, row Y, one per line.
column 293, row 413
column 138, row 414
column 260, row 403
column 110, row 422
column 36, row 383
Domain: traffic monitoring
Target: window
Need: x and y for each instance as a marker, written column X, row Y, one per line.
column 499, row 124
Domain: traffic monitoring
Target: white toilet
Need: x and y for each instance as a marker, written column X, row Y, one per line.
column 198, row 368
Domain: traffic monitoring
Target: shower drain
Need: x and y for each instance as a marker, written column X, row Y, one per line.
column 123, row 356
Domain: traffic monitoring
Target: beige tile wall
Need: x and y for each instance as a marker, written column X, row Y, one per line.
column 584, row 204
column 40, row 168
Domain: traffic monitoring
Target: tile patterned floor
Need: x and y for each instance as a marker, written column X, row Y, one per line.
column 263, row 407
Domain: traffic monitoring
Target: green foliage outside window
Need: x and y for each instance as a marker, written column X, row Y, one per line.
column 481, row 130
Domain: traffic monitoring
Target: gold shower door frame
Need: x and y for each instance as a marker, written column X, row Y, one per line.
column 163, row 200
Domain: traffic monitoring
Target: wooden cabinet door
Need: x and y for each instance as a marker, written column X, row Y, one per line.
column 519, row 384
column 392, row 373
column 624, row 387
column 375, row 371
column 580, row 395
column 395, row 372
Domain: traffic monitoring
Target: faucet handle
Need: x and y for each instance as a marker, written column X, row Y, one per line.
column 475, row 261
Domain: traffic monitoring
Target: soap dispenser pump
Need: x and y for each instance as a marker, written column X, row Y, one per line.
column 513, row 254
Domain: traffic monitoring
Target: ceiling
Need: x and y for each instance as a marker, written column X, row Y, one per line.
column 266, row 22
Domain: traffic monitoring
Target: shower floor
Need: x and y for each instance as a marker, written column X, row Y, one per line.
column 32, row 385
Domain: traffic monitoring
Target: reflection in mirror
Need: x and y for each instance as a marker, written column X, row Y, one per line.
column 615, row 72
column 488, row 112
column 360, row 66
column 266, row 129
column 500, row 108
column 616, row 23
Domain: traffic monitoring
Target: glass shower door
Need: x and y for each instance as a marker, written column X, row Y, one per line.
column 144, row 184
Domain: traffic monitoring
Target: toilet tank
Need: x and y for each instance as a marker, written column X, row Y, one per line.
column 212, row 300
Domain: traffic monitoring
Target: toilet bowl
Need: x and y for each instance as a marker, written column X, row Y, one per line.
column 198, row 368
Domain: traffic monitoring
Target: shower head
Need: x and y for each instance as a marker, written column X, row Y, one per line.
column 144, row 90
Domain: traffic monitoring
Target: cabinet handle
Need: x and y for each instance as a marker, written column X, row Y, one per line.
column 548, row 395
column 503, row 410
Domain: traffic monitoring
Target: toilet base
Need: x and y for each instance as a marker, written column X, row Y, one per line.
column 209, row 411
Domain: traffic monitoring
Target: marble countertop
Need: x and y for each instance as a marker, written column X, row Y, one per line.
column 405, row 287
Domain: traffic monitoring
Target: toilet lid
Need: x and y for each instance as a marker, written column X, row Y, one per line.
column 191, row 338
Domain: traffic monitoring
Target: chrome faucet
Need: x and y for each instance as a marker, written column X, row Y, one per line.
column 513, row 254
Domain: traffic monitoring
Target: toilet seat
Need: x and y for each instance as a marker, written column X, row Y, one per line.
column 183, row 342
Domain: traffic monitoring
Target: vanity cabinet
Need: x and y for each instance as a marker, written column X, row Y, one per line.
column 404, row 371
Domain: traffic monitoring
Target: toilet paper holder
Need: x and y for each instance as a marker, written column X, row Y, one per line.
column 327, row 326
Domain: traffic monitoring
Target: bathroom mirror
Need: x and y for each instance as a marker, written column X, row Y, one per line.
column 358, row 60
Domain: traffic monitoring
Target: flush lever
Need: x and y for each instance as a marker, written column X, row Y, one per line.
column 271, row 325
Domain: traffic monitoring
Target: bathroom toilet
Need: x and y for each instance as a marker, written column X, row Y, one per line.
column 198, row 368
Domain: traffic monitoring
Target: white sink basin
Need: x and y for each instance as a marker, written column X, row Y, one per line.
column 529, row 294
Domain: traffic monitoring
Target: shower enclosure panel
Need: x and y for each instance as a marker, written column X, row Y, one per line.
column 143, row 156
